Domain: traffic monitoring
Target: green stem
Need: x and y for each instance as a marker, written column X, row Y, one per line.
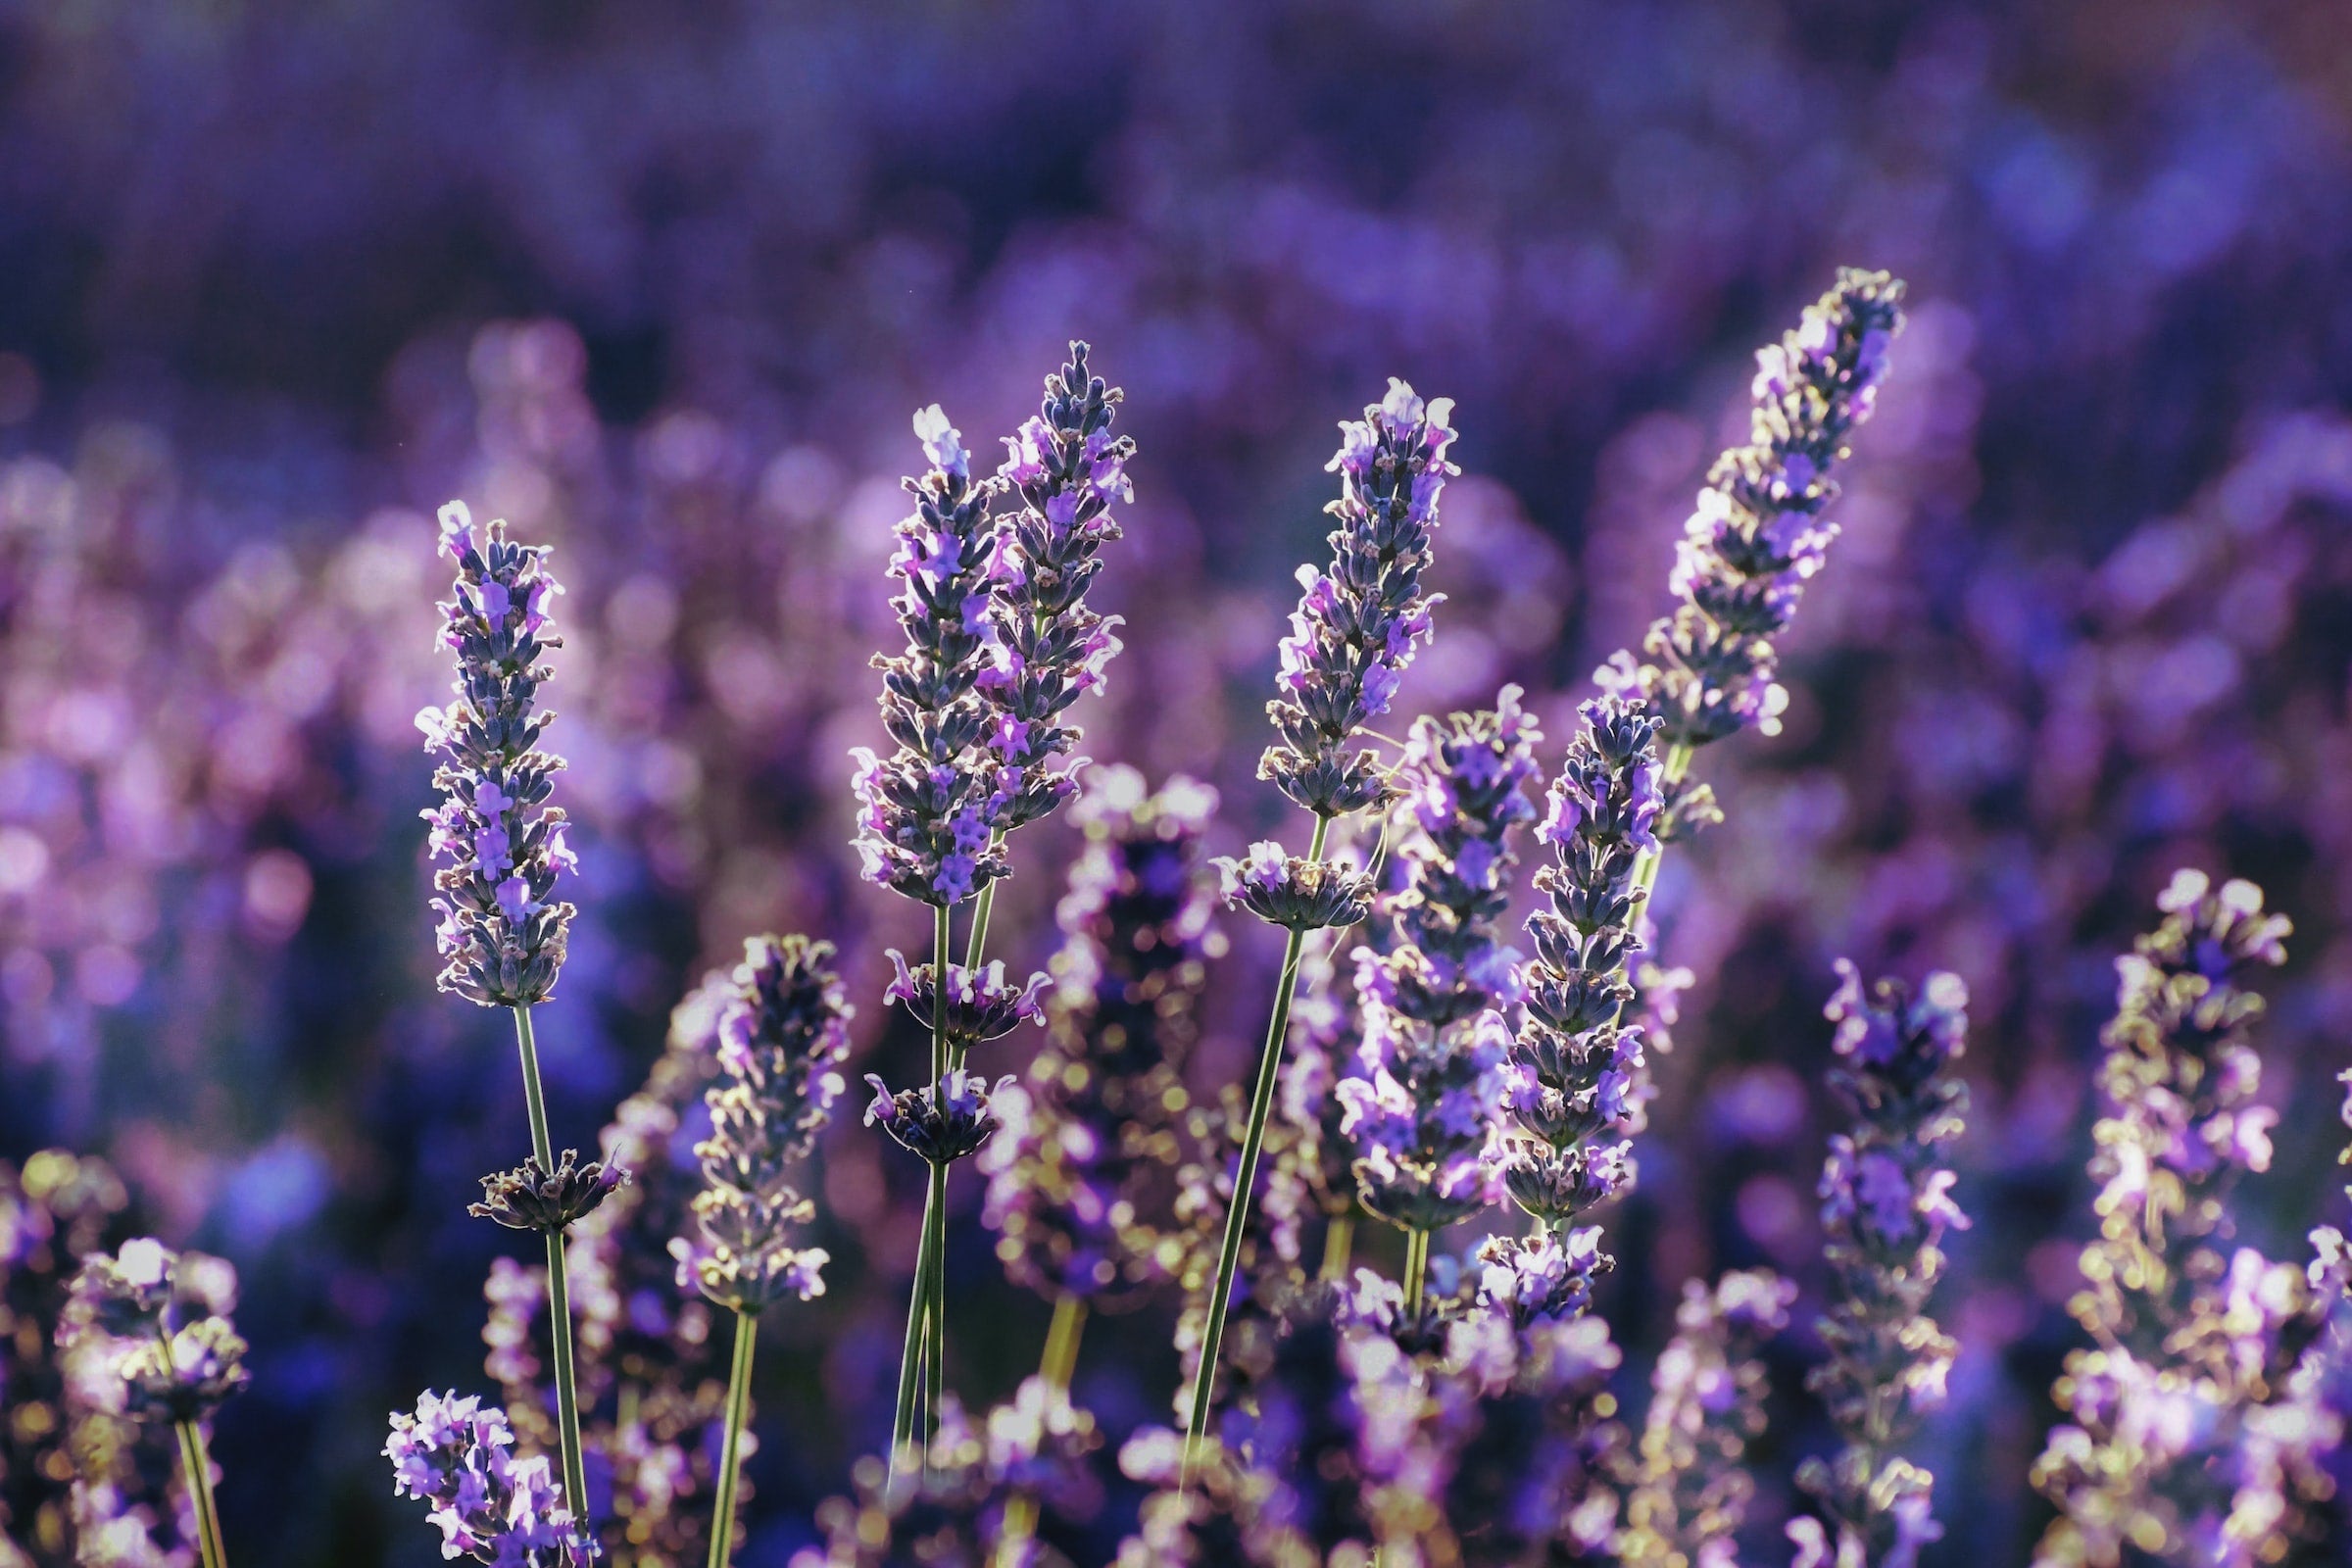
column 198, row 1466
column 1645, row 870
column 1055, row 1366
column 1416, row 1267
column 910, row 1358
column 559, row 1294
column 739, row 1408
column 935, row 1308
column 1237, row 1214
column 1339, row 1242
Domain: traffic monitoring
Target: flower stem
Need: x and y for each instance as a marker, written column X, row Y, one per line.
column 559, row 1294
column 920, row 1358
column 1416, row 1267
column 1055, row 1366
column 910, row 1358
column 198, row 1465
column 1645, row 870
column 1237, row 1214
column 739, row 1409
column 1339, row 1245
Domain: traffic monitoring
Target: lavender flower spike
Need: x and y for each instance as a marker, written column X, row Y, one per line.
column 1885, row 1205
column 928, row 815
column 503, row 930
column 942, row 1124
column 1757, row 534
column 1356, row 624
column 455, row 1456
column 1577, row 1069
column 1047, row 648
column 2199, row 1417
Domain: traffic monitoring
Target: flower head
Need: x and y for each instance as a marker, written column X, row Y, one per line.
column 1288, row 890
column 1359, row 622
column 456, row 1456
column 941, row 1122
column 532, row 1197
column 503, row 931
column 981, row 1005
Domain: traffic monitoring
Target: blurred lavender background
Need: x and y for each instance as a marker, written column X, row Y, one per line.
column 662, row 284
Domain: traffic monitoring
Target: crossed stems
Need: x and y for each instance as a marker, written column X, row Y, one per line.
column 198, row 1465
column 559, row 1294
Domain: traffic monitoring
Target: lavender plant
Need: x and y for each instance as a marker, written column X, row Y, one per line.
column 503, row 931
column 780, row 1034
column 1885, row 1205
column 1353, row 636
column 156, row 1323
column 2197, row 1417
column 456, row 1456
column 1426, row 1116
column 1686, row 1493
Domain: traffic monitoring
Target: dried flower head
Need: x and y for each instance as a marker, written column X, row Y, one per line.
column 503, row 931
column 532, row 1197
column 1358, row 623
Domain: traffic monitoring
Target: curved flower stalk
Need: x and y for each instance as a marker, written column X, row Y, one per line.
column 2197, row 1418
column 1313, row 1160
column 1426, row 1117
column 1576, row 1067
column 56, row 1450
column 782, row 1032
column 503, row 930
column 1351, row 637
column 157, row 1320
column 1885, row 1205
column 1757, row 535
column 455, row 1456
column 1686, row 1494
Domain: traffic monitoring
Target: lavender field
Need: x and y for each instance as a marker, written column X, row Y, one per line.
column 1412, row 785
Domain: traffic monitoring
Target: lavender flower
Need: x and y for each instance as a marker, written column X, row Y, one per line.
column 503, row 931
column 1047, row 648
column 981, row 1003
column 781, row 1035
column 531, row 1198
column 1686, row 1493
column 2199, row 1419
column 1540, row 1278
column 941, row 1123
column 454, row 1455
column 1082, row 1171
column 1757, row 534
column 928, row 814
column 1885, row 1205
column 1577, row 1069
column 1356, row 625
column 1301, row 894
column 1425, row 1118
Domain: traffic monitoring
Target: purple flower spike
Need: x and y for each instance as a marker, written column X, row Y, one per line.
column 1289, row 890
column 783, row 1028
column 1359, row 622
column 1757, row 534
column 455, row 1456
column 2202, row 1414
column 1885, row 1207
column 1047, row 646
column 503, row 931
column 981, row 1003
column 928, row 813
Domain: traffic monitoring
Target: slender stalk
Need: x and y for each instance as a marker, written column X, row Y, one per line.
column 910, row 1358
column 1237, row 1214
column 1645, row 870
column 1055, row 1366
column 198, row 1466
column 730, row 1471
column 558, row 1293
column 1339, row 1242
column 920, row 1360
column 1416, row 1267
column 935, row 1310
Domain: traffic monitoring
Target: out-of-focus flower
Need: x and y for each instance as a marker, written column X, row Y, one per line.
column 1885, row 1207
column 503, row 932
column 781, row 1035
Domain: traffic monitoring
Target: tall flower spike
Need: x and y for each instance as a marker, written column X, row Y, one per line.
column 1359, row 622
column 1577, row 1069
column 1047, row 646
column 455, row 1456
column 1885, row 1205
column 928, row 814
column 781, row 1035
column 1084, row 1167
column 503, row 930
column 2199, row 1422
column 1757, row 534
column 1687, row 1494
